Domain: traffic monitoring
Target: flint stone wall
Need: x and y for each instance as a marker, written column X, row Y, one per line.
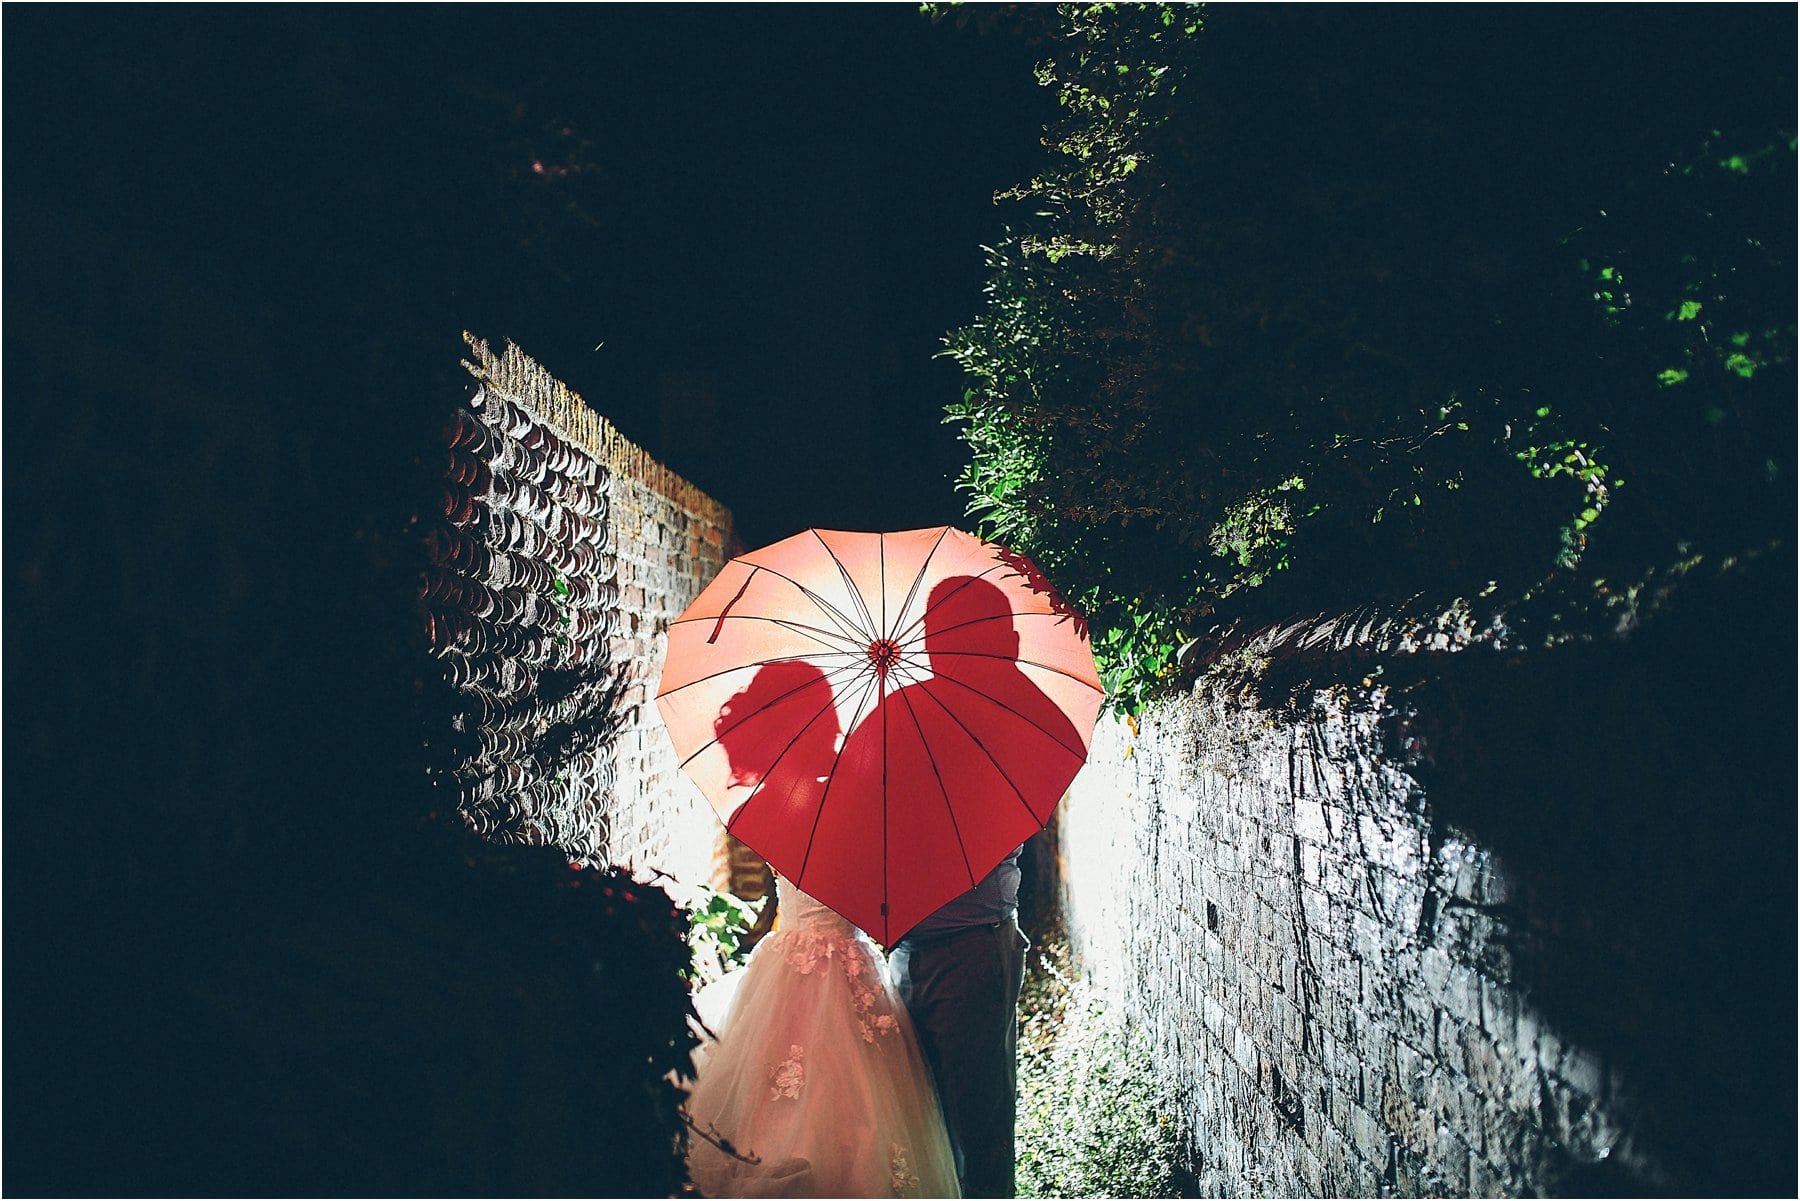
column 562, row 553
column 1534, row 977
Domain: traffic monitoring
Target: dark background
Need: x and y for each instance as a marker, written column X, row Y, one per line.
column 241, row 245
column 240, row 248
column 738, row 231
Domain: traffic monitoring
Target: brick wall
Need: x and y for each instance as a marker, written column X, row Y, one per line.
column 561, row 554
column 1320, row 977
column 671, row 540
column 1532, row 977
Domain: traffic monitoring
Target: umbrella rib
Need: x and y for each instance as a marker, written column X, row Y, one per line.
column 812, row 657
column 830, row 779
column 906, row 673
column 982, row 747
column 824, row 678
column 915, row 638
column 881, row 673
column 818, row 633
column 1049, row 667
column 882, row 683
column 776, row 762
column 913, row 592
column 905, row 634
column 1008, row 617
column 1079, row 753
column 943, row 790
column 924, row 636
column 843, row 621
column 850, row 587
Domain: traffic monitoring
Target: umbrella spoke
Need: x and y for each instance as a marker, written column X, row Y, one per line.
column 846, row 644
column 1079, row 751
column 905, row 635
column 862, row 705
column 842, row 620
column 819, row 634
column 999, row 658
column 943, row 791
column 907, row 673
column 856, row 595
column 825, row 677
column 918, row 579
column 982, row 747
column 830, row 700
column 812, row 656
column 918, row 639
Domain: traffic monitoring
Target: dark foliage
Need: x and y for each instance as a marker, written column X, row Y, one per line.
column 1319, row 307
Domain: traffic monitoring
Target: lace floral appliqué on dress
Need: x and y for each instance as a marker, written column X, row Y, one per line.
column 789, row 1076
column 816, row 1073
column 904, row 1182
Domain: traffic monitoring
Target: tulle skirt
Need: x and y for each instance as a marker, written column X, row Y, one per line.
column 817, row 1075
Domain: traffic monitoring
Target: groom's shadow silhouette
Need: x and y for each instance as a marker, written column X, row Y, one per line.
column 950, row 772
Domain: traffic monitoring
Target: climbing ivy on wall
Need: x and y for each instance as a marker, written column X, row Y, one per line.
column 1310, row 309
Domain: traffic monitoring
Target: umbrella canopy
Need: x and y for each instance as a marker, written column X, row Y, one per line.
column 883, row 717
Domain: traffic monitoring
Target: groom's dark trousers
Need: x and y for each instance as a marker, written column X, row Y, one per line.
column 962, row 989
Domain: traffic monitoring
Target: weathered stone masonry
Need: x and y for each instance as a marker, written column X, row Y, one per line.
column 1355, row 995
column 562, row 553
column 672, row 539
column 1331, row 1030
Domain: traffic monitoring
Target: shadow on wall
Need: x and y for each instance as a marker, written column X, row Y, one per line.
column 1520, row 925
column 1641, row 796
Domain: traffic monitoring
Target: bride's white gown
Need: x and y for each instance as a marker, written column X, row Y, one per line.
column 816, row 1072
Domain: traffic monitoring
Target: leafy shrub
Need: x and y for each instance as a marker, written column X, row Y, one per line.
column 717, row 923
column 1312, row 309
column 1095, row 1119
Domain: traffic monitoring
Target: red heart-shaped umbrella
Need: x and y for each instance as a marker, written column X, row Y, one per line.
column 882, row 717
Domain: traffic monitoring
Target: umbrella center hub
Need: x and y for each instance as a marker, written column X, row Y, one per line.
column 884, row 653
